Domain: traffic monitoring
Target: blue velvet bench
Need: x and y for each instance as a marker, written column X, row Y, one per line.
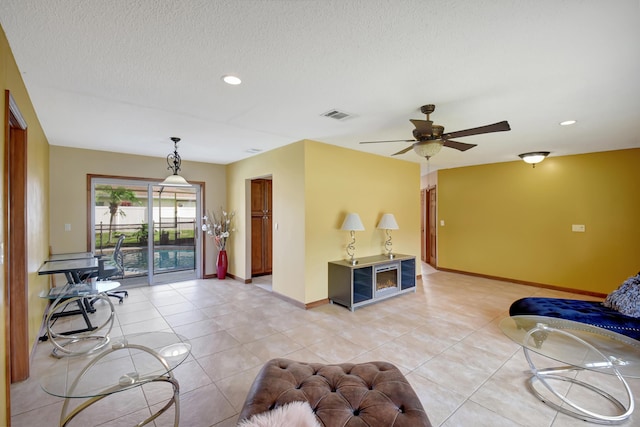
column 589, row 312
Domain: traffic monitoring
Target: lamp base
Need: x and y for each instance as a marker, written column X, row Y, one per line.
column 390, row 255
column 352, row 261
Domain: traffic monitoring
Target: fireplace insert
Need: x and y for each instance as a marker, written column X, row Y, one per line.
column 387, row 278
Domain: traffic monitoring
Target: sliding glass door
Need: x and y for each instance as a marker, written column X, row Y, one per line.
column 160, row 224
column 174, row 249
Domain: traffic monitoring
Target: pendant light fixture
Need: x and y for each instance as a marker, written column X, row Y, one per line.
column 174, row 161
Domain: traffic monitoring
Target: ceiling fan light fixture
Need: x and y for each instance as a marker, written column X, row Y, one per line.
column 427, row 149
column 231, row 80
column 534, row 157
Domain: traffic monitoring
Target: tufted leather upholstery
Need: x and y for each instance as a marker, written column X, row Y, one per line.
column 373, row 394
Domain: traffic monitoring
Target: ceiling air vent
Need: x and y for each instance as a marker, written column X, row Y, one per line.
column 337, row 114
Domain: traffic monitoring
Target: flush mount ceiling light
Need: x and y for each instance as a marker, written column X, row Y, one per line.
column 568, row 123
column 174, row 161
column 231, row 80
column 534, row 157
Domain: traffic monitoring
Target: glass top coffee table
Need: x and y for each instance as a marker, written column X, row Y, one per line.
column 140, row 359
column 579, row 347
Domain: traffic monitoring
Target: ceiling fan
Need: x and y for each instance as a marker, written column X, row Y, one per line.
column 430, row 138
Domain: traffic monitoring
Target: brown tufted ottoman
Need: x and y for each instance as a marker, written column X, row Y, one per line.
column 374, row 394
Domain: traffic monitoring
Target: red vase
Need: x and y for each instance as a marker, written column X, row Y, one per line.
column 222, row 264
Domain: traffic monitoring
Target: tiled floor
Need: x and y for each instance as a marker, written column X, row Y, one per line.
column 444, row 338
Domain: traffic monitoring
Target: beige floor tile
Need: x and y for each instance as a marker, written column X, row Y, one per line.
column 197, row 329
column 202, row 407
column 228, row 363
column 184, row 318
column 472, row 414
column 236, row 387
column 276, row 345
column 248, row 333
column 337, row 349
column 444, row 337
column 211, row 344
column 439, row 402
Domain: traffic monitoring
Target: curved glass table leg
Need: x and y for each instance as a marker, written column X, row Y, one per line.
column 126, row 382
column 577, row 411
column 62, row 342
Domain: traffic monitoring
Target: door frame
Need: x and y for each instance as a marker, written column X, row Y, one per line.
column 150, row 183
column 14, row 252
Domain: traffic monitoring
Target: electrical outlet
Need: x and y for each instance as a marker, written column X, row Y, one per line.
column 578, row 228
column 67, row 227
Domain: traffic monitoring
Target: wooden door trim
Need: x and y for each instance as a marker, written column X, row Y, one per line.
column 15, row 248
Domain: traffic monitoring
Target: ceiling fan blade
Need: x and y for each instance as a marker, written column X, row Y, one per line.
column 403, row 151
column 462, row 146
column 394, row 140
column 496, row 127
column 422, row 125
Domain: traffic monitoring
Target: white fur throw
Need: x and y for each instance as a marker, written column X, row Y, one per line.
column 626, row 299
column 294, row 414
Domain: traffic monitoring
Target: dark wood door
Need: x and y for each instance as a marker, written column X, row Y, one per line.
column 261, row 223
column 431, row 234
column 423, row 220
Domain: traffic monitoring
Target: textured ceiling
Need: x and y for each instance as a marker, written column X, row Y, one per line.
column 126, row 76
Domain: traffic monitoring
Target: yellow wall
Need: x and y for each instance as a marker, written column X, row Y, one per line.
column 314, row 186
column 68, row 189
column 513, row 221
column 37, row 205
column 339, row 181
column 286, row 167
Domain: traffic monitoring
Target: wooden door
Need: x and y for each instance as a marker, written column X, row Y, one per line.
column 261, row 222
column 423, row 219
column 432, row 227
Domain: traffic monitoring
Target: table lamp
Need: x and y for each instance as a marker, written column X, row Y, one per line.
column 388, row 223
column 352, row 224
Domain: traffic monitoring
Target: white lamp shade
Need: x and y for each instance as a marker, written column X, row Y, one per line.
column 175, row 181
column 427, row 148
column 352, row 223
column 388, row 222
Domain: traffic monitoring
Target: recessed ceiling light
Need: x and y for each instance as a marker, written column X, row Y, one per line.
column 232, row 80
column 568, row 123
column 253, row 150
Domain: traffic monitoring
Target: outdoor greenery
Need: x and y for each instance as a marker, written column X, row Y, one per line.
column 115, row 196
column 134, row 238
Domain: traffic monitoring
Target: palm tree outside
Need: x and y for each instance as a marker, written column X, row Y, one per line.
column 115, row 196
